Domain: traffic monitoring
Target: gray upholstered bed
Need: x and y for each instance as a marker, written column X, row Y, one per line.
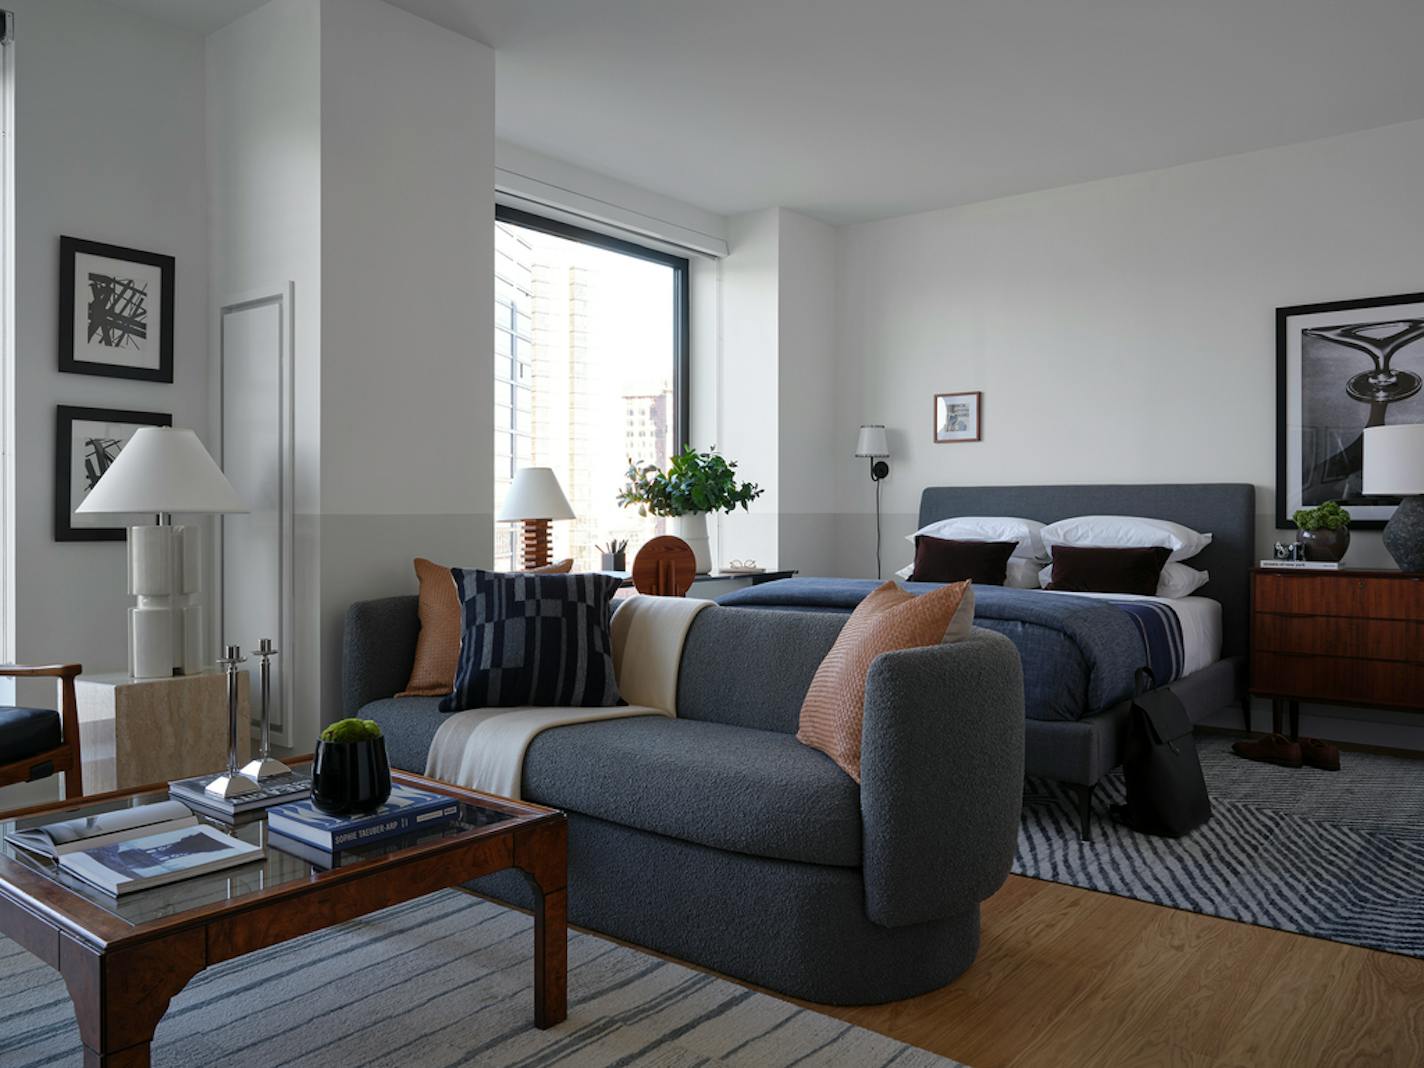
column 1079, row 746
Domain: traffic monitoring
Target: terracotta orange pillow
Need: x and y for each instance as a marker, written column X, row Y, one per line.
column 437, row 649
column 888, row 619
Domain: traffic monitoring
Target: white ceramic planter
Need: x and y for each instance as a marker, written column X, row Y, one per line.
column 693, row 530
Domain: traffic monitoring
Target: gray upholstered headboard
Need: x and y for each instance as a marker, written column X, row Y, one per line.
column 1226, row 510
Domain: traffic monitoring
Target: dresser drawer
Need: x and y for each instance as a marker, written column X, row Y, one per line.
column 1369, row 639
column 1337, row 678
column 1360, row 597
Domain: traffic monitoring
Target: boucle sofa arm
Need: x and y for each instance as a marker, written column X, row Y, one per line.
column 942, row 758
column 377, row 650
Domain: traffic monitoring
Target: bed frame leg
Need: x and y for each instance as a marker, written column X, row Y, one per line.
column 1085, row 810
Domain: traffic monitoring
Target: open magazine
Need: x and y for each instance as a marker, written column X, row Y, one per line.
column 87, row 832
column 165, row 857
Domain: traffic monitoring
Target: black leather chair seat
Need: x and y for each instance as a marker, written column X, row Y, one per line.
column 26, row 732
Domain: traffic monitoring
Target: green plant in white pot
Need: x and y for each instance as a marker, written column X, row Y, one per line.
column 694, row 484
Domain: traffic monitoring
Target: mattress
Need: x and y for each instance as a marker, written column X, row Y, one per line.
column 1081, row 653
column 1200, row 619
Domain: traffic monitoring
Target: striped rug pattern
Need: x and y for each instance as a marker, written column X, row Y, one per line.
column 1337, row 855
column 440, row 982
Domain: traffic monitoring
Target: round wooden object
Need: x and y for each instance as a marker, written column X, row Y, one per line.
column 664, row 567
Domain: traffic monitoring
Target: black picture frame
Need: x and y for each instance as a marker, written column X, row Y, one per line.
column 1288, row 326
column 78, row 355
column 64, row 460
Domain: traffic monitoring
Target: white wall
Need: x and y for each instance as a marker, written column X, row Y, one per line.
column 265, row 171
column 354, row 155
column 109, row 147
column 407, row 243
column 1121, row 330
column 747, row 384
column 810, row 437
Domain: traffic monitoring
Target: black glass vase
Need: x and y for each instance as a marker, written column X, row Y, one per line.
column 350, row 777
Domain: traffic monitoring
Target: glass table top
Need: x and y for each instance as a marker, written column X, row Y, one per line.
column 278, row 866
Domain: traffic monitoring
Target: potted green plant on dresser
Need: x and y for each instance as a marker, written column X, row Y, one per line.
column 1324, row 531
column 694, row 484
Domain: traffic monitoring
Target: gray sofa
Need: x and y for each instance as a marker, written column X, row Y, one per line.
column 717, row 838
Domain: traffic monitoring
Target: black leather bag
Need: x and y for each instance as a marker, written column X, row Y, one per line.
column 1166, row 791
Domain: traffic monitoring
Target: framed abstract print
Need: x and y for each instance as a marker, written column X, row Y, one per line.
column 115, row 311
column 1342, row 367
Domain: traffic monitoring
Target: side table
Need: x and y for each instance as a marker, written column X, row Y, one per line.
column 139, row 731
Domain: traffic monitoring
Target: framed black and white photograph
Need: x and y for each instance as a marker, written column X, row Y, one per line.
column 115, row 311
column 1342, row 367
column 87, row 442
column 956, row 417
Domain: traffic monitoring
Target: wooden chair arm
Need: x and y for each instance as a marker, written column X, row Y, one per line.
column 53, row 671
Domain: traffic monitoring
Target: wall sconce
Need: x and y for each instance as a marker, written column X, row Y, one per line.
column 873, row 444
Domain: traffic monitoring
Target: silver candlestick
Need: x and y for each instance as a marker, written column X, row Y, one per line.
column 231, row 783
column 264, row 765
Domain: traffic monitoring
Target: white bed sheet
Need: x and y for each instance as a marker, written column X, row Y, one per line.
column 1200, row 618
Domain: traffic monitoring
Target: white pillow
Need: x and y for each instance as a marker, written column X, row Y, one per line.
column 1177, row 580
column 1020, row 574
column 989, row 528
column 1125, row 532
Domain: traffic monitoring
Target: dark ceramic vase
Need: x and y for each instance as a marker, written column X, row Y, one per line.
column 1324, row 546
column 350, row 776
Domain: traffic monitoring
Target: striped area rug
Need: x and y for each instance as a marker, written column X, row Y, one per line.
column 1337, row 855
column 440, row 982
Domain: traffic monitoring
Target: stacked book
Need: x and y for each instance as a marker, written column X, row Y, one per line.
column 1303, row 565
column 274, row 791
column 300, row 828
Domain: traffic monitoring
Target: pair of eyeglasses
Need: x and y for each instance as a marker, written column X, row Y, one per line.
column 742, row 563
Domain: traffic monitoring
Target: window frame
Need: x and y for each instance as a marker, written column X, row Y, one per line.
column 682, row 272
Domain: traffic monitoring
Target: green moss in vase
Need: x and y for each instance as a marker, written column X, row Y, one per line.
column 352, row 730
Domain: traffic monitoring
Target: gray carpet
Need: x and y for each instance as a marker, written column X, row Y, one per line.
column 445, row 981
column 1337, row 855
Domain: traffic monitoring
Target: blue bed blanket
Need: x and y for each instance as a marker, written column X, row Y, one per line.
column 1080, row 654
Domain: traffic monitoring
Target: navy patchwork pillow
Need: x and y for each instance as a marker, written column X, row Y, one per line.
column 531, row 639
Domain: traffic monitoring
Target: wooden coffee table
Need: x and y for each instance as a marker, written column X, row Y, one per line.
column 124, row 958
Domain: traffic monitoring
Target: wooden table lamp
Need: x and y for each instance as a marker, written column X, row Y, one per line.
column 534, row 499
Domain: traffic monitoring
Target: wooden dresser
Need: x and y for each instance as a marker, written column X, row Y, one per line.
column 1337, row 637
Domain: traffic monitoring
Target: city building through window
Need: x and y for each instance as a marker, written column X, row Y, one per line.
column 590, row 365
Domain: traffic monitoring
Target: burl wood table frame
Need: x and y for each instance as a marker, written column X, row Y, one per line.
column 121, row 975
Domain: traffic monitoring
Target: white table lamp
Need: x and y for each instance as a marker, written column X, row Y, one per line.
column 1394, row 467
column 534, row 498
column 163, row 471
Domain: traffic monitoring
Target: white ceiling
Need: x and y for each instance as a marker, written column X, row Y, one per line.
column 858, row 109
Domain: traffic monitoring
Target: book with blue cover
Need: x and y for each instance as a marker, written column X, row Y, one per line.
column 406, row 810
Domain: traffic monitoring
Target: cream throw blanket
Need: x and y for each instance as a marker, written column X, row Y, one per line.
column 483, row 748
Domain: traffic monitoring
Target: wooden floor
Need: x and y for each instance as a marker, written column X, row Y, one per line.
column 1071, row 977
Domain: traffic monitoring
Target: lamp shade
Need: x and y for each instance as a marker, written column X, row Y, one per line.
column 872, row 441
column 535, row 494
column 1394, row 460
column 162, row 469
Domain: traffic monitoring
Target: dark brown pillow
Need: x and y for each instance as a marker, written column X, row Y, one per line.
column 1084, row 569
column 948, row 560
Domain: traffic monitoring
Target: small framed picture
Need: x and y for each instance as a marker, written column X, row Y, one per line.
column 87, row 442
column 115, row 311
column 956, row 417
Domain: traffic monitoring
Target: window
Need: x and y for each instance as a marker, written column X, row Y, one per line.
column 7, row 344
column 590, row 372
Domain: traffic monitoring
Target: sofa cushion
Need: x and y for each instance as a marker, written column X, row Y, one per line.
column 755, row 792
column 26, row 732
column 776, row 655
column 889, row 619
column 534, row 640
column 749, row 791
column 409, row 724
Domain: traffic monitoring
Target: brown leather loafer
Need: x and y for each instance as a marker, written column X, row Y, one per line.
column 1272, row 749
column 1318, row 754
